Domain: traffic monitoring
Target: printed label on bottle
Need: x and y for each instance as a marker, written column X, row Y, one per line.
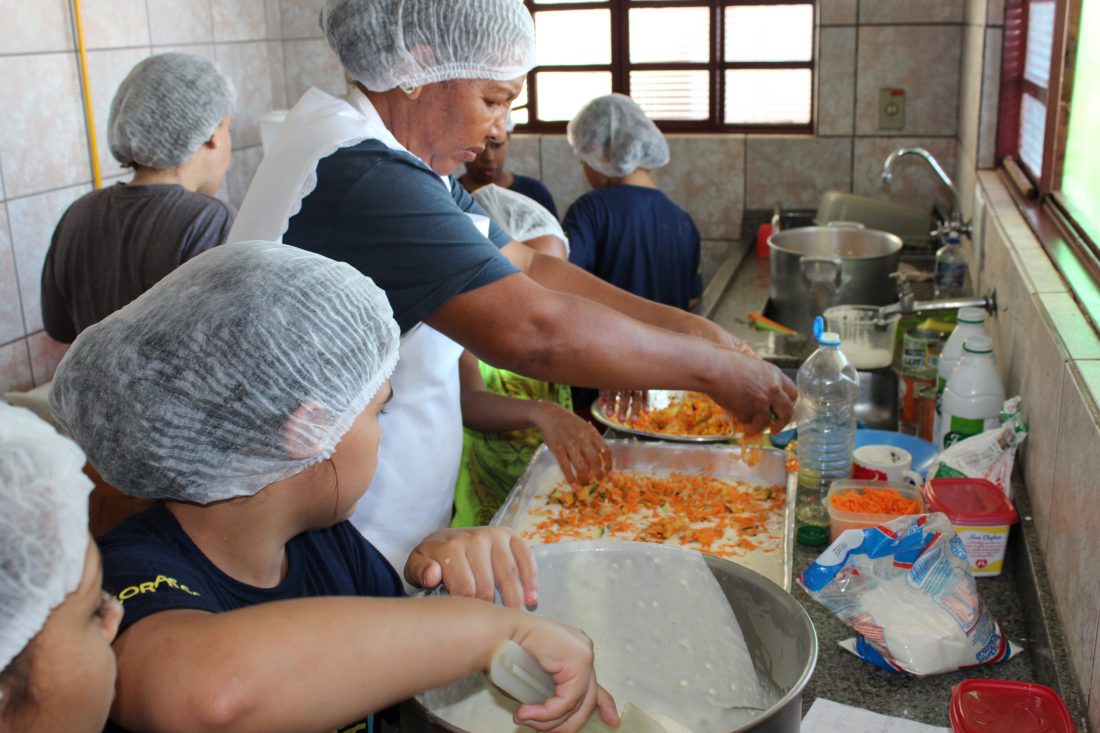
column 962, row 428
column 941, row 385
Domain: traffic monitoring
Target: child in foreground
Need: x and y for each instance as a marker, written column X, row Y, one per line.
column 57, row 670
column 242, row 392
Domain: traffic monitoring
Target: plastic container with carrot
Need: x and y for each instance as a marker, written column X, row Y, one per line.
column 859, row 504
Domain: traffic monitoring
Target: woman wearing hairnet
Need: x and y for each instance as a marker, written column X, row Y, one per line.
column 57, row 670
column 242, row 393
column 365, row 180
column 169, row 122
column 627, row 231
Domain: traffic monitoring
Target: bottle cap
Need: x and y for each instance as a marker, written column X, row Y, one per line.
column 971, row 315
column 829, row 338
column 978, row 345
column 953, row 238
column 813, row 535
column 819, row 326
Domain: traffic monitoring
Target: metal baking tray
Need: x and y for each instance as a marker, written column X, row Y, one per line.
column 773, row 561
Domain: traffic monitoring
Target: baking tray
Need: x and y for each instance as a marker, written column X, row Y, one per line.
column 773, row 559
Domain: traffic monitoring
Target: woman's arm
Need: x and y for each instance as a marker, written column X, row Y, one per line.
column 518, row 324
column 319, row 663
column 564, row 277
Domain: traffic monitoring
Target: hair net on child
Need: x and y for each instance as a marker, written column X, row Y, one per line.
column 613, row 135
column 242, row 367
column 407, row 43
column 521, row 216
column 43, row 525
column 166, row 107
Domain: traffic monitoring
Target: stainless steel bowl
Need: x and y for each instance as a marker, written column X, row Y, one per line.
column 780, row 637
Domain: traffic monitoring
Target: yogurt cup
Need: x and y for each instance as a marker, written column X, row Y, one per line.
column 981, row 515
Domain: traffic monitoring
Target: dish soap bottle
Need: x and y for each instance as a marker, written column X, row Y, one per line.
column 827, row 386
column 974, row 396
column 950, row 278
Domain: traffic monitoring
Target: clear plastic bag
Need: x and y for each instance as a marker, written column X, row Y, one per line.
column 906, row 588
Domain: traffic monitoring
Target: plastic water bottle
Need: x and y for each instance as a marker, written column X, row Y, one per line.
column 950, row 276
column 971, row 324
column 827, row 386
column 974, row 396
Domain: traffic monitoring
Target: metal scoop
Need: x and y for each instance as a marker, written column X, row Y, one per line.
column 519, row 675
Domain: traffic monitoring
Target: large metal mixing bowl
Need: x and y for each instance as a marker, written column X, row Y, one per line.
column 779, row 635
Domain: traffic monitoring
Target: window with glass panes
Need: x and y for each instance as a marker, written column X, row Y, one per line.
column 731, row 65
column 1046, row 137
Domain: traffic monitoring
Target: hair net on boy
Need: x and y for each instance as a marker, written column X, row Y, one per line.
column 613, row 135
column 521, row 216
column 166, row 107
column 43, row 525
column 407, row 43
column 242, row 367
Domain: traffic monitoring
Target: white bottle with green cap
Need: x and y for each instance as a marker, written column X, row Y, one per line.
column 974, row 395
column 971, row 323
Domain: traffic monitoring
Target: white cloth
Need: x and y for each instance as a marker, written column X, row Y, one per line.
column 413, row 488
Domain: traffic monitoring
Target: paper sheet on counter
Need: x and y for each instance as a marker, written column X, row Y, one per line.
column 826, row 716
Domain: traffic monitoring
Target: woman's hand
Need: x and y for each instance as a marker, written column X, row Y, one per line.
column 566, row 654
column 756, row 392
column 476, row 562
column 580, row 451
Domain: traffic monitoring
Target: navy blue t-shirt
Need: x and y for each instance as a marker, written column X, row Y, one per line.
column 533, row 188
column 392, row 218
column 638, row 239
column 151, row 565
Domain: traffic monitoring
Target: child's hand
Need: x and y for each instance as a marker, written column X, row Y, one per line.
column 580, row 451
column 566, row 653
column 475, row 562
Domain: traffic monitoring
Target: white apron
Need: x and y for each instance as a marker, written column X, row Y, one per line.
column 413, row 488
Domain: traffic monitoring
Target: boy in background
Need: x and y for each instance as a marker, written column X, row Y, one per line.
column 627, row 231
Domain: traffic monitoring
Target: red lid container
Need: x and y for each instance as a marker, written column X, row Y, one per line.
column 972, row 502
column 983, row 706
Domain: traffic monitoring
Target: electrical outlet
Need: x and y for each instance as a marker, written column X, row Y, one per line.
column 891, row 109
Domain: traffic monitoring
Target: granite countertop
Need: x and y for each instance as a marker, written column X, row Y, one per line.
column 1019, row 598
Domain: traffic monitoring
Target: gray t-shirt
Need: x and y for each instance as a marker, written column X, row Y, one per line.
column 115, row 243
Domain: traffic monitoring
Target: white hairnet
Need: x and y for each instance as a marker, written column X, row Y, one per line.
column 613, row 135
column 386, row 44
column 166, row 107
column 188, row 392
column 521, row 216
column 43, row 525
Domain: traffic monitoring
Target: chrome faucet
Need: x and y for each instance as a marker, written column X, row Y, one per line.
column 907, row 302
column 955, row 221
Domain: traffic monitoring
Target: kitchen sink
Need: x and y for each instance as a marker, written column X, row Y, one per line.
column 877, row 398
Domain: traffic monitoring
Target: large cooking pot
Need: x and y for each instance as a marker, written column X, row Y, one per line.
column 780, row 638
column 814, row 268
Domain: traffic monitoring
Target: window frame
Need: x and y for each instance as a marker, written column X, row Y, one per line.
column 620, row 66
column 1072, row 250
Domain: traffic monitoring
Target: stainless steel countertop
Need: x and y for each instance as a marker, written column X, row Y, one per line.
column 741, row 285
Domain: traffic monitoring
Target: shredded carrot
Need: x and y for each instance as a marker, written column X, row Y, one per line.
column 697, row 511
column 696, row 414
column 869, row 500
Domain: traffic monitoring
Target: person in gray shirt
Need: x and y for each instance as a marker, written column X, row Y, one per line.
column 169, row 122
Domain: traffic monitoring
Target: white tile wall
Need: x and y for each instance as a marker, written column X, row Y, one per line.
column 174, row 22
column 11, row 315
column 239, row 20
column 35, row 26
column 911, row 11
column 42, row 141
